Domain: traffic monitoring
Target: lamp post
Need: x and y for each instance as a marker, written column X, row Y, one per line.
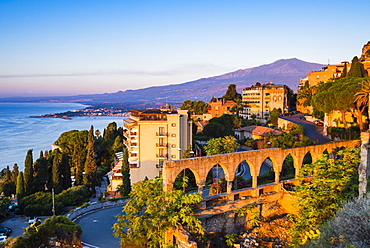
column 52, row 195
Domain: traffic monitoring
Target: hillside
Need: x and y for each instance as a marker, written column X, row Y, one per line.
column 284, row 71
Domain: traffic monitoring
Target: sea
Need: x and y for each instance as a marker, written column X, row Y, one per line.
column 19, row 132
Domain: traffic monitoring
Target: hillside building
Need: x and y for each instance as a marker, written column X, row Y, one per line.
column 260, row 99
column 153, row 136
column 218, row 108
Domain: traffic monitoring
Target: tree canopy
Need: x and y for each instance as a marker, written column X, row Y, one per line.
column 221, row 145
column 338, row 95
column 150, row 212
column 198, row 107
column 232, row 94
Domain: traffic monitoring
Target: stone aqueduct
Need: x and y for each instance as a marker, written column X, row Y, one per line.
column 200, row 166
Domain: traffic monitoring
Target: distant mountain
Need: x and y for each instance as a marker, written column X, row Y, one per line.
column 284, row 71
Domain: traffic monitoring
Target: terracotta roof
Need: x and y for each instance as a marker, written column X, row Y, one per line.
column 259, row 130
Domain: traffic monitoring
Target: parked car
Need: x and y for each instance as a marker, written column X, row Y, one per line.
column 5, row 231
column 33, row 219
column 3, row 238
column 319, row 123
column 302, row 117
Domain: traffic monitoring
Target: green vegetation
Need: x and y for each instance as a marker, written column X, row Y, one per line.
column 125, row 187
column 232, row 94
column 356, row 69
column 150, row 212
column 227, row 144
column 198, row 107
column 350, row 227
column 220, row 127
column 80, row 152
column 40, row 203
column 340, row 95
column 333, row 182
column 56, row 229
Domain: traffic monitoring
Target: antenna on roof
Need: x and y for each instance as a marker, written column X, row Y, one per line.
column 328, row 61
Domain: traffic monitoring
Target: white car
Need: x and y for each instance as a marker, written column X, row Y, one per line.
column 33, row 219
column 3, row 238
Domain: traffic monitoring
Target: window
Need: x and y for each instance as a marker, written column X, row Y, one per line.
column 161, row 130
column 173, row 145
column 173, row 125
column 173, row 135
column 173, row 156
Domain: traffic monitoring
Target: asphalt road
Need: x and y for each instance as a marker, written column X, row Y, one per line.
column 97, row 229
column 312, row 131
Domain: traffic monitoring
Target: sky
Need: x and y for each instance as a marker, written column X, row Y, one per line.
column 71, row 47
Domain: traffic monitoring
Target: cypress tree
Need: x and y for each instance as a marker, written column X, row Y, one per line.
column 56, row 171
column 344, row 72
column 231, row 93
column 41, row 172
column 110, row 131
column 90, row 167
column 7, row 176
column 78, row 166
column 28, row 173
column 356, row 69
column 20, row 190
column 15, row 173
column 66, row 172
column 125, row 170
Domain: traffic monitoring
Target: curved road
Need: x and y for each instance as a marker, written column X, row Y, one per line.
column 97, row 229
column 312, row 131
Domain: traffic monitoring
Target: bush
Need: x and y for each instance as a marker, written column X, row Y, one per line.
column 74, row 196
column 350, row 226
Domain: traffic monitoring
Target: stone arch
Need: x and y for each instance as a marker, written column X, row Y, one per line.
column 308, row 158
column 266, row 171
column 216, row 179
column 193, row 179
column 288, row 168
column 242, row 176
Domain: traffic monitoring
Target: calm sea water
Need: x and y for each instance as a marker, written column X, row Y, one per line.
column 19, row 132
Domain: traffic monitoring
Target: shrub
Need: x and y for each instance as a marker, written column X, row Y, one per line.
column 74, row 196
column 350, row 226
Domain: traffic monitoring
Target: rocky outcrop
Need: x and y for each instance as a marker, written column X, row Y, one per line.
column 366, row 52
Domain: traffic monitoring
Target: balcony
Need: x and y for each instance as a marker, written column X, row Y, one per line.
column 162, row 156
column 133, row 133
column 160, row 134
column 162, row 145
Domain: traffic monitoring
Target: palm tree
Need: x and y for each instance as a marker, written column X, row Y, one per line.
column 362, row 97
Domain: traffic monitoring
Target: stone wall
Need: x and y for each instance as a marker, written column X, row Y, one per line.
column 94, row 207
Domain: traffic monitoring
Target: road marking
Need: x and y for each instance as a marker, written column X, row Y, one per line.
column 84, row 245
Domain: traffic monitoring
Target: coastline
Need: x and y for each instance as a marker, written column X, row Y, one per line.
column 85, row 112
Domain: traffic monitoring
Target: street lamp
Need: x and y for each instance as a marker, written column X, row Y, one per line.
column 52, row 195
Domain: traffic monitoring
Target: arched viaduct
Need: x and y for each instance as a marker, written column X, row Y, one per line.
column 200, row 166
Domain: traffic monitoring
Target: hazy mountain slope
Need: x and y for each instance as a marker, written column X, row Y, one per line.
column 284, row 71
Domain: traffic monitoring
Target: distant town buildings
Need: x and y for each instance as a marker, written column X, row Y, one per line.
column 153, row 136
column 260, row 99
column 218, row 108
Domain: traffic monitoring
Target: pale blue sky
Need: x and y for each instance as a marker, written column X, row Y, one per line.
column 69, row 47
